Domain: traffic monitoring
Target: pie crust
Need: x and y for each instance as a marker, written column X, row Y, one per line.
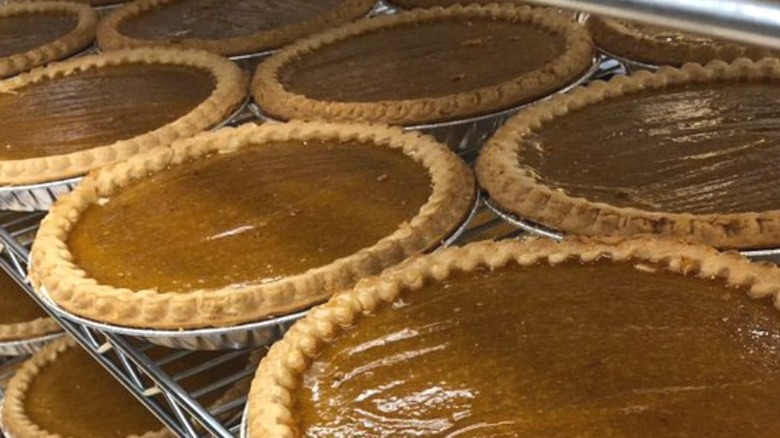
column 453, row 192
column 29, row 329
column 520, row 192
column 14, row 417
column 271, row 402
column 618, row 39
column 229, row 92
column 577, row 56
column 111, row 38
column 80, row 37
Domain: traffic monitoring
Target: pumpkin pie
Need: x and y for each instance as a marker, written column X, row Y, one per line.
column 641, row 338
column 425, row 65
column 36, row 33
column 63, row 392
column 235, row 27
column 657, row 45
column 20, row 317
column 71, row 117
column 413, row 4
column 268, row 220
column 682, row 152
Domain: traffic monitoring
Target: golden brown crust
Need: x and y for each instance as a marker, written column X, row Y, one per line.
column 77, row 39
column 28, row 330
column 229, row 92
column 110, row 36
column 271, row 400
column 614, row 37
column 276, row 100
column 453, row 192
column 518, row 191
column 14, row 417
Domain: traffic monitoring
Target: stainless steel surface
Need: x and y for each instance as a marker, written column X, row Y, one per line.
column 750, row 21
column 34, row 197
column 27, row 346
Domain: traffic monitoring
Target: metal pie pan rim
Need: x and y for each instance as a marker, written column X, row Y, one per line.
column 29, row 344
column 542, row 231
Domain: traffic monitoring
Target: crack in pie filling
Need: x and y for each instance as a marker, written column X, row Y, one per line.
column 641, row 338
column 36, row 33
column 227, row 27
column 266, row 220
column 78, row 115
column 688, row 153
column 425, row 65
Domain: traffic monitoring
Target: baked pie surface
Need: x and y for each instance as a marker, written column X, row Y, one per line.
column 36, row 33
column 20, row 317
column 657, row 45
column 682, row 152
column 62, row 391
column 634, row 338
column 67, row 119
column 229, row 27
column 269, row 220
column 425, row 65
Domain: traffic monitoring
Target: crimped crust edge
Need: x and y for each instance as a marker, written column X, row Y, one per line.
column 78, row 38
column 518, row 191
column 452, row 196
column 271, row 399
column 110, row 37
column 277, row 101
column 229, row 92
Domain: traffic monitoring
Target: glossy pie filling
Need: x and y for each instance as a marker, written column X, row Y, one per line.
column 216, row 19
column 75, row 396
column 422, row 60
column 254, row 216
column 686, row 149
column 22, row 32
column 15, row 305
column 97, row 107
column 590, row 350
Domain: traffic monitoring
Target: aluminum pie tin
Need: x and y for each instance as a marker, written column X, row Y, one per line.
column 35, row 197
column 25, row 347
column 41, row 197
column 768, row 254
column 466, row 136
column 249, row 335
column 244, row 428
column 255, row 334
column 629, row 65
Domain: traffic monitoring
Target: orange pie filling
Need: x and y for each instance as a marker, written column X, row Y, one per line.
column 20, row 33
column 215, row 19
column 250, row 217
column 699, row 148
column 97, row 107
column 587, row 350
column 422, row 60
column 15, row 305
column 74, row 396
